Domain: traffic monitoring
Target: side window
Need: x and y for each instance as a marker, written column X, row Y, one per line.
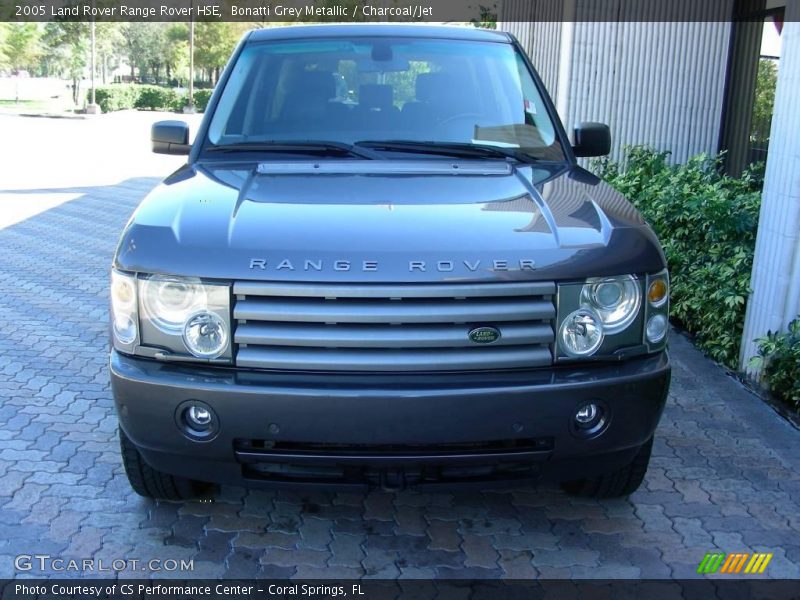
column 236, row 93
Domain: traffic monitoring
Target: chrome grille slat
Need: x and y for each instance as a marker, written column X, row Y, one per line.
column 460, row 290
column 390, row 311
column 384, row 336
column 324, row 359
column 385, row 328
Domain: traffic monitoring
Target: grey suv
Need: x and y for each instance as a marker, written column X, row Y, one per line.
column 382, row 265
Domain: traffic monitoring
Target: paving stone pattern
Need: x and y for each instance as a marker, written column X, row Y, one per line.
column 724, row 474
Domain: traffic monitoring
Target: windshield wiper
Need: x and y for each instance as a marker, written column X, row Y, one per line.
column 456, row 149
column 298, row 147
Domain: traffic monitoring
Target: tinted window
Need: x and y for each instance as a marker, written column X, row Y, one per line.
column 384, row 89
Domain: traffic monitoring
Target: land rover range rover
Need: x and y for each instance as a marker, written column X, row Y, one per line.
column 383, row 265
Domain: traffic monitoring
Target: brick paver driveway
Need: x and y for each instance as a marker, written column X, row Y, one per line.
column 724, row 474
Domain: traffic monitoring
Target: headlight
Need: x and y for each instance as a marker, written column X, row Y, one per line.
column 124, row 329
column 184, row 317
column 615, row 299
column 657, row 311
column 171, row 318
column 205, row 335
column 168, row 301
column 658, row 291
column 581, row 333
column 614, row 312
column 124, row 317
column 656, row 328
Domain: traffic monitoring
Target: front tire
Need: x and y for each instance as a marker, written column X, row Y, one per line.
column 622, row 482
column 150, row 483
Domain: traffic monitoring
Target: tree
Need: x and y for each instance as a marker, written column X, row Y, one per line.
column 3, row 57
column 109, row 44
column 146, row 47
column 766, row 82
column 67, row 46
column 21, row 45
column 213, row 44
column 176, row 57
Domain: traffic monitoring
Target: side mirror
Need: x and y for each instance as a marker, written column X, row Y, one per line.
column 170, row 137
column 592, row 139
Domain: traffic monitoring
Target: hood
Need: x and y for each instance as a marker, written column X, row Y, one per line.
column 386, row 221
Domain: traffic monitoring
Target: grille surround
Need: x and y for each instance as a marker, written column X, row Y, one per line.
column 392, row 328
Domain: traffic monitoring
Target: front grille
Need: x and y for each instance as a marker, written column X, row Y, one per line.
column 390, row 328
column 328, row 449
column 392, row 466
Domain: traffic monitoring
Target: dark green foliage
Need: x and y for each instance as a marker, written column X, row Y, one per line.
column 766, row 83
column 146, row 97
column 152, row 97
column 115, row 97
column 488, row 17
column 707, row 225
column 201, row 98
column 780, row 355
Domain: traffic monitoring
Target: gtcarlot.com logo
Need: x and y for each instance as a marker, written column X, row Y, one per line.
column 45, row 562
column 742, row 563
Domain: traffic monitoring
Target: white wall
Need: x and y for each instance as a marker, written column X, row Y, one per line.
column 537, row 24
column 655, row 83
column 776, row 271
column 659, row 84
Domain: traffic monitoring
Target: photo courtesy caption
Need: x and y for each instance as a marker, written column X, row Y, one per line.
column 129, row 589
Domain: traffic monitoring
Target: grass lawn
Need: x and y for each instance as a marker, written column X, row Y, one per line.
column 49, row 106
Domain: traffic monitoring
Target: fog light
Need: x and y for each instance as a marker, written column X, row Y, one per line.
column 656, row 328
column 198, row 417
column 586, row 414
column 589, row 418
column 197, row 420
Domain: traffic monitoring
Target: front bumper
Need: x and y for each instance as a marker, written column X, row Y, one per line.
column 292, row 429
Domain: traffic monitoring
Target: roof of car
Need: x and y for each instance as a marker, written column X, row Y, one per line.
column 377, row 30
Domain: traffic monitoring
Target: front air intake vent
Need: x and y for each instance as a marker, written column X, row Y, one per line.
column 390, row 328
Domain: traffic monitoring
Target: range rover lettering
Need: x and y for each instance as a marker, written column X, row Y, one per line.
column 382, row 265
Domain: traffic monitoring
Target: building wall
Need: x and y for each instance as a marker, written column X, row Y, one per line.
column 659, row 84
column 776, row 270
column 537, row 25
column 655, row 83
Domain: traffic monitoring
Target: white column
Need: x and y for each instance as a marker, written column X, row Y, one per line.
column 776, row 270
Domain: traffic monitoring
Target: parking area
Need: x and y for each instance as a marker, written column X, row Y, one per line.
column 725, row 473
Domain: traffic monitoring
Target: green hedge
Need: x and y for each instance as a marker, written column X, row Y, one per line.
column 707, row 225
column 158, row 98
column 780, row 356
column 145, row 97
column 201, row 98
column 115, row 97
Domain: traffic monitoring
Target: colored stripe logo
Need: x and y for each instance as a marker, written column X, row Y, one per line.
column 735, row 563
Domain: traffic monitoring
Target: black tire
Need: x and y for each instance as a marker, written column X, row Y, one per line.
column 621, row 482
column 150, row 483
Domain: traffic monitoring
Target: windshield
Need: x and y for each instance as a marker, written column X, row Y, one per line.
column 384, row 89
